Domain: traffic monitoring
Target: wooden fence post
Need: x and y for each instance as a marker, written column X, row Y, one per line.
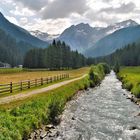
column 36, row 82
column 29, row 84
column 21, row 85
column 47, row 80
column 41, row 81
column 50, row 79
column 11, row 87
column 54, row 78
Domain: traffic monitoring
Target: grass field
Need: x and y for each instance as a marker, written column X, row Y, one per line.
column 130, row 77
column 10, row 70
column 16, row 75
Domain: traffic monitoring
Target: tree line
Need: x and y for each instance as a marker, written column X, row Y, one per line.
column 57, row 56
column 126, row 56
column 11, row 51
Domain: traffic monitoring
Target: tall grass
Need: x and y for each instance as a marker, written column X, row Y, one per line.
column 130, row 77
column 10, row 70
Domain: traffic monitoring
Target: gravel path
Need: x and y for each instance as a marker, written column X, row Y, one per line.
column 12, row 98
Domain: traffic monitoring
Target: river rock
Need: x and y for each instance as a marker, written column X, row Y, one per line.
column 37, row 132
column 43, row 135
column 138, row 114
column 52, row 134
column 73, row 118
column 134, row 128
column 129, row 97
column 50, row 126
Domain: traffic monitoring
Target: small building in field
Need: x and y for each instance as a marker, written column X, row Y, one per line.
column 4, row 65
column 20, row 66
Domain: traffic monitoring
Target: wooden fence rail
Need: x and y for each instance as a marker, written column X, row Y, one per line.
column 27, row 84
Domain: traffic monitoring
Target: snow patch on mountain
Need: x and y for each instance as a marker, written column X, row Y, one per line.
column 44, row 36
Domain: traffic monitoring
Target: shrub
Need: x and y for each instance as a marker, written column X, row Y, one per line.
column 116, row 67
column 136, row 91
column 106, row 68
column 55, row 108
column 128, row 86
column 91, row 73
column 97, row 73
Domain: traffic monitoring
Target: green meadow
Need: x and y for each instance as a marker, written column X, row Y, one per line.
column 130, row 77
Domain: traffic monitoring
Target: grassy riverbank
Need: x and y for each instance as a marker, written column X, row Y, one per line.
column 18, row 119
column 130, row 77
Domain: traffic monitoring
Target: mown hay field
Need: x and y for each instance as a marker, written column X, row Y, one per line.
column 16, row 75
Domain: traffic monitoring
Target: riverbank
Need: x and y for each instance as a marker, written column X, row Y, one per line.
column 130, row 78
column 19, row 120
column 100, row 113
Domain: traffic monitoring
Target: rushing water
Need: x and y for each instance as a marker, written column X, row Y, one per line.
column 102, row 113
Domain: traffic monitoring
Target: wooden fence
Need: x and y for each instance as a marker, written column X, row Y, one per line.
column 27, row 84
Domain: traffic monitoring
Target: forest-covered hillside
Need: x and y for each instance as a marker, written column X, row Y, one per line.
column 57, row 56
column 10, row 51
column 126, row 56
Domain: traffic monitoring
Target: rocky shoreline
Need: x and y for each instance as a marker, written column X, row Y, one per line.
column 133, row 99
column 50, row 132
column 45, row 133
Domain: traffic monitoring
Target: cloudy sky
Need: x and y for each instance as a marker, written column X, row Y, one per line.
column 53, row 16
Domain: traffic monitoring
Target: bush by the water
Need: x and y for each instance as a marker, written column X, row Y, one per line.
column 97, row 73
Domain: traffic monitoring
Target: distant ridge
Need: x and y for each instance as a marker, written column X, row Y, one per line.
column 114, row 41
column 83, row 36
column 19, row 33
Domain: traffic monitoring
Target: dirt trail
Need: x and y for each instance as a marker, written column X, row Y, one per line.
column 12, row 98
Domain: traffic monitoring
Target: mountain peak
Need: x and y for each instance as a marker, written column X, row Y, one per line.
column 83, row 25
column 126, row 23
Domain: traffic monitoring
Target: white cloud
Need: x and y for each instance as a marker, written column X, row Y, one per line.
column 51, row 26
column 33, row 4
column 22, row 12
column 23, row 21
column 123, row 8
column 12, row 19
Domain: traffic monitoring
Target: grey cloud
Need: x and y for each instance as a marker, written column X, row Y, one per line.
column 63, row 8
column 103, row 18
column 33, row 4
column 124, row 8
column 106, row 0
